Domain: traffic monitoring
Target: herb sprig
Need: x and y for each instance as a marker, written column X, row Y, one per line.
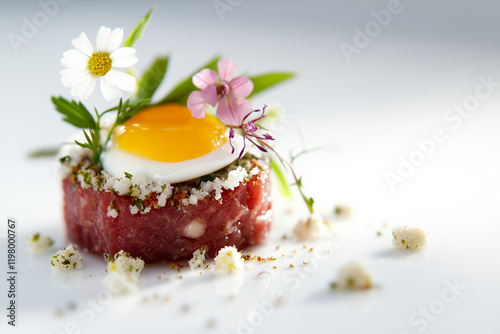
column 76, row 114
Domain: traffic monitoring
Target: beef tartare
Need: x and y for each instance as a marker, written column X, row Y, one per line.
column 162, row 222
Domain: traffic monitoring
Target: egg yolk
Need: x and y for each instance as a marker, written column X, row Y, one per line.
column 169, row 133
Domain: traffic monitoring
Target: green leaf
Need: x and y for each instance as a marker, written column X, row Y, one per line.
column 152, row 79
column 43, row 152
column 284, row 186
column 136, row 34
column 265, row 81
column 128, row 110
column 181, row 92
column 75, row 113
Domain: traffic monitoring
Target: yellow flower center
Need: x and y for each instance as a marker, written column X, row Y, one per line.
column 99, row 64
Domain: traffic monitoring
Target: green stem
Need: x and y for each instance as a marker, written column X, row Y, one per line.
column 298, row 181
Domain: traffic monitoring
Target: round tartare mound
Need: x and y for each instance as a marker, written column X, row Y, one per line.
column 231, row 207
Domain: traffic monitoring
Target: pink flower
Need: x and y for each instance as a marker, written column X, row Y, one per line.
column 249, row 130
column 229, row 93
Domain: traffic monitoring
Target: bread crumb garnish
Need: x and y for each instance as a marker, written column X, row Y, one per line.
column 67, row 259
column 146, row 193
column 39, row 243
column 310, row 227
column 343, row 211
column 123, row 272
column 258, row 258
column 353, row 276
column 229, row 260
column 198, row 259
column 409, row 238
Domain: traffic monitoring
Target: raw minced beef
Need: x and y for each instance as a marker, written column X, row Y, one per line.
column 170, row 224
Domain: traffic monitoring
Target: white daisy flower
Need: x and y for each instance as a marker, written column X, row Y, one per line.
column 85, row 65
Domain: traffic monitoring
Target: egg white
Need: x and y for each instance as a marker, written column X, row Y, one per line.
column 117, row 161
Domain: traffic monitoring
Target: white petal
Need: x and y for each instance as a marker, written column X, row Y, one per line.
column 82, row 44
column 77, row 79
column 71, row 76
column 115, row 39
column 122, row 80
column 109, row 90
column 74, row 59
column 85, row 87
column 123, row 57
column 108, row 41
column 102, row 38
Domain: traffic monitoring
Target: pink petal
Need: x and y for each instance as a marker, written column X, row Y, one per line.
column 204, row 78
column 196, row 104
column 209, row 94
column 241, row 86
column 231, row 109
column 227, row 68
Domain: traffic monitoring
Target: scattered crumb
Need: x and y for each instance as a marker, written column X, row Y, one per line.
column 308, row 229
column 274, row 267
column 278, row 247
column 179, row 265
column 229, row 260
column 379, row 233
column 123, row 272
column 353, row 276
column 257, row 258
column 39, row 243
column 410, row 238
column 67, row 259
column 71, row 306
column 211, row 323
column 292, row 266
column 343, row 211
column 112, row 212
column 198, row 259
